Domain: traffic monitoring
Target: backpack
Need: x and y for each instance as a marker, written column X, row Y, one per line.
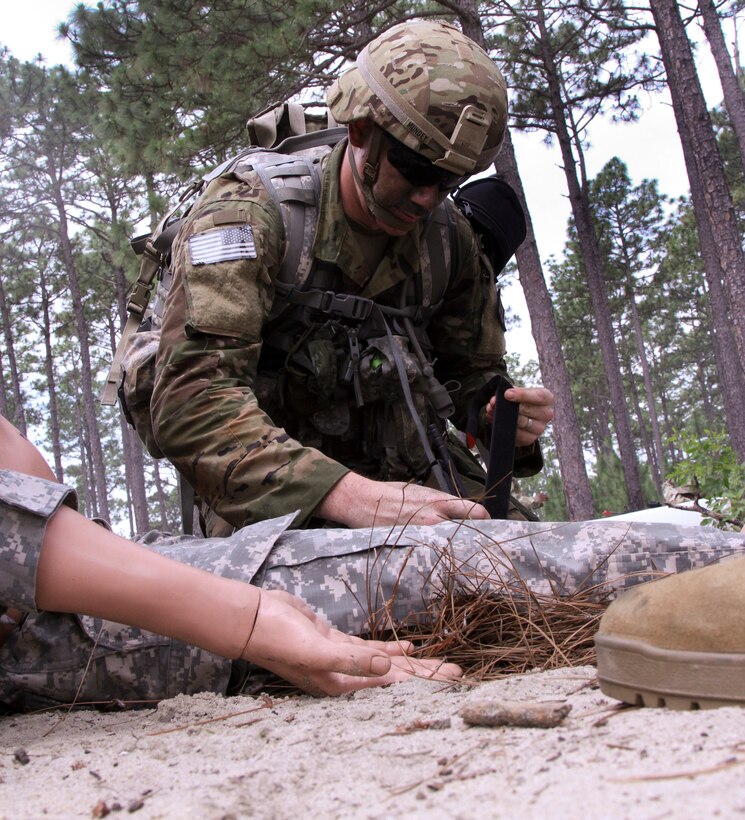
column 291, row 173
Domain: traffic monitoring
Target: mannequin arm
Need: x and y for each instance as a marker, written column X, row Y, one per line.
column 83, row 567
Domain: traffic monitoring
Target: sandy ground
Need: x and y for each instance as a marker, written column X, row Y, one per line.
column 403, row 751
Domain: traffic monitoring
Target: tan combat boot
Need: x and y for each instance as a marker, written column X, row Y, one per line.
column 677, row 642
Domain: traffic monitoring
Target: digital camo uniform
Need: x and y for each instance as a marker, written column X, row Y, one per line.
column 359, row 579
column 420, row 563
column 260, row 412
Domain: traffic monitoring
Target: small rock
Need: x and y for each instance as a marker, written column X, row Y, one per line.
column 21, row 756
column 544, row 715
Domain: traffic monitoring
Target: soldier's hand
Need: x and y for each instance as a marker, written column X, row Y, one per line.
column 356, row 501
column 290, row 640
column 536, row 411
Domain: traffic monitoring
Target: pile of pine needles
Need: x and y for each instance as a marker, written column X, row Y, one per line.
column 492, row 632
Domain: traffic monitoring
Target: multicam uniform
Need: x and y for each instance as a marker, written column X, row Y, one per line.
column 359, row 579
column 260, row 429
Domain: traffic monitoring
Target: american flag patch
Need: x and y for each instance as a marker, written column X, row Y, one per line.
column 222, row 245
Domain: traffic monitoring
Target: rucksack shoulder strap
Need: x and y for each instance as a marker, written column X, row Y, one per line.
column 436, row 258
column 294, row 183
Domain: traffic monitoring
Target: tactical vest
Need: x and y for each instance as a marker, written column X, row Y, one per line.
column 318, row 342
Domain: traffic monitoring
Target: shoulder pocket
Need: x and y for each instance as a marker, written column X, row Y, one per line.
column 226, row 262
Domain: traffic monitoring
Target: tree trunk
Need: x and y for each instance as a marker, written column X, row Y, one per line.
column 134, row 462
column 54, row 423
column 18, row 416
column 164, row 523
column 667, row 423
column 657, row 460
column 711, row 198
column 734, row 99
column 3, row 393
column 601, row 422
column 86, row 499
column 566, row 431
column 644, row 436
column 705, row 400
column 592, row 264
column 81, row 327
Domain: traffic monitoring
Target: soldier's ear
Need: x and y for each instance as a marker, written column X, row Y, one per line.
column 360, row 132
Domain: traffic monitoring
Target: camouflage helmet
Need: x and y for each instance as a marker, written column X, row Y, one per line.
column 431, row 88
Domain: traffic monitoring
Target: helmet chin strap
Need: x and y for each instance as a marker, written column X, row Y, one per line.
column 366, row 182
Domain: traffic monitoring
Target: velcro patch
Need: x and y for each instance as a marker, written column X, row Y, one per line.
column 222, row 245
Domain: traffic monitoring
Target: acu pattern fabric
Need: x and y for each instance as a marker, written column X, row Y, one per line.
column 247, row 425
column 361, row 580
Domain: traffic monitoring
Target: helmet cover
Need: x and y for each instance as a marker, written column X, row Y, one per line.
column 431, row 88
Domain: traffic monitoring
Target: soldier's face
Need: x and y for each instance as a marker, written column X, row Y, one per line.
column 406, row 190
column 409, row 203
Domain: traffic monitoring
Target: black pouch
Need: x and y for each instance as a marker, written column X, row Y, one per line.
column 307, row 382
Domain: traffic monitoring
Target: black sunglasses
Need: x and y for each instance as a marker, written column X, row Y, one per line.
column 418, row 170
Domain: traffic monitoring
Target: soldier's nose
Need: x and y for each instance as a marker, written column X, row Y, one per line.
column 426, row 197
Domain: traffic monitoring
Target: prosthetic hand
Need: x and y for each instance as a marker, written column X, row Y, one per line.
column 290, row 640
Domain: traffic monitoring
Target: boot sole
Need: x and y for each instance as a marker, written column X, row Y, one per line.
column 643, row 675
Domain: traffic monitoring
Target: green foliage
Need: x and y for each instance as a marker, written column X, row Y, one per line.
column 711, row 474
column 181, row 78
column 609, row 487
column 587, row 46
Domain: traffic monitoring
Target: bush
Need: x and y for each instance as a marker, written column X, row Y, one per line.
column 712, row 476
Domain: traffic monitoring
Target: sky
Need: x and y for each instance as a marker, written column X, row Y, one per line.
column 650, row 147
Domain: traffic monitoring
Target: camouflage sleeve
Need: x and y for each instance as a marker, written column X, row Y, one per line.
column 26, row 504
column 205, row 415
column 469, row 335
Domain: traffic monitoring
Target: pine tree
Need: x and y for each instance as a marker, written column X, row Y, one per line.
column 574, row 480
column 719, row 235
column 554, row 51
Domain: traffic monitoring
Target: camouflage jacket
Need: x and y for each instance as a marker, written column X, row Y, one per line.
column 250, row 458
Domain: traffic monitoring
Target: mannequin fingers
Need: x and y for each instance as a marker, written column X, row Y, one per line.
column 348, row 678
column 431, row 668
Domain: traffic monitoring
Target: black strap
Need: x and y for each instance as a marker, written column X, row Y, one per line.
column 502, row 448
column 186, row 493
column 442, row 478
